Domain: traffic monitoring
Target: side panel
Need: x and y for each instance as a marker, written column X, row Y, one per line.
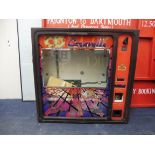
column 121, row 76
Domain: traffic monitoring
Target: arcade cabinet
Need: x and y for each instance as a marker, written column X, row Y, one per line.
column 84, row 75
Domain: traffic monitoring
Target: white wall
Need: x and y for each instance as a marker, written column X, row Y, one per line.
column 9, row 61
column 25, row 46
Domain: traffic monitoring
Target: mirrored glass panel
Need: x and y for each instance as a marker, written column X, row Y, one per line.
column 67, row 68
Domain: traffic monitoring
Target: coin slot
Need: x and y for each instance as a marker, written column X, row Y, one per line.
column 120, row 79
column 120, row 86
column 118, row 97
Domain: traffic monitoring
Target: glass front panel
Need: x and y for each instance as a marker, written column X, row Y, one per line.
column 75, row 68
column 76, row 75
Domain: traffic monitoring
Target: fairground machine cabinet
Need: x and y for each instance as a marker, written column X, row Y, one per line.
column 84, row 75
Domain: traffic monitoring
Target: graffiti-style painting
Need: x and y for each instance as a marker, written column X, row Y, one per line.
column 75, row 102
column 76, row 75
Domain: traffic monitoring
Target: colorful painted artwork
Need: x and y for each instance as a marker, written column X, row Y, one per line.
column 76, row 42
column 62, row 97
column 54, row 42
column 75, row 102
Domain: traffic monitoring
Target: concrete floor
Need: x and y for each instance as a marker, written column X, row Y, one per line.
column 17, row 117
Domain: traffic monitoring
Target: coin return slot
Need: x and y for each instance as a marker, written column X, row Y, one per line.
column 120, row 79
column 118, row 97
column 117, row 113
column 120, row 86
